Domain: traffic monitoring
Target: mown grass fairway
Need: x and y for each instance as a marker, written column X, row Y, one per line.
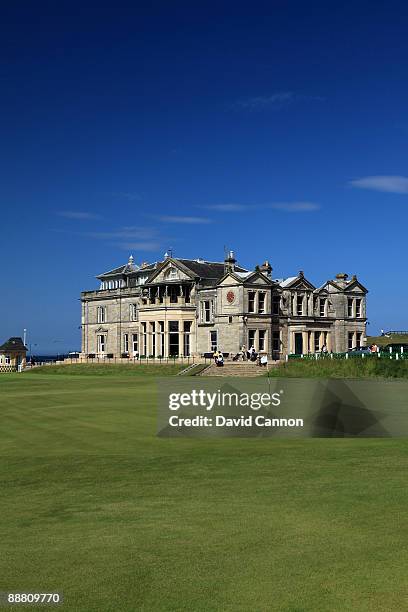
column 355, row 367
column 95, row 505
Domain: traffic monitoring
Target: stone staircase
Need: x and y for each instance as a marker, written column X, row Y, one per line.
column 237, row 368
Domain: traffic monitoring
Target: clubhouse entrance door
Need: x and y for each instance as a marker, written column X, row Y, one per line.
column 298, row 343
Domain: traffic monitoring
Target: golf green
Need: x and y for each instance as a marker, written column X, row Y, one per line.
column 97, row 507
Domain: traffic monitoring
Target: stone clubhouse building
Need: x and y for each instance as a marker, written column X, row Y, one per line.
column 190, row 307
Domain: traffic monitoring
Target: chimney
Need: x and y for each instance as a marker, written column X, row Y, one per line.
column 229, row 262
column 266, row 268
column 341, row 279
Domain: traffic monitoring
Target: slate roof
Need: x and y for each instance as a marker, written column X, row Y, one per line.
column 128, row 269
column 13, row 344
column 207, row 269
column 203, row 269
column 287, row 281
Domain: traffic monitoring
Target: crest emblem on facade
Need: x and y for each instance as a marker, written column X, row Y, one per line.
column 230, row 297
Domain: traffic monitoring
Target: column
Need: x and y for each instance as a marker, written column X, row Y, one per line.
column 158, row 340
column 166, row 340
column 181, row 338
column 305, row 342
column 294, row 304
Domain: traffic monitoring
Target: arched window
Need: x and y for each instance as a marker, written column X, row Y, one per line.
column 172, row 274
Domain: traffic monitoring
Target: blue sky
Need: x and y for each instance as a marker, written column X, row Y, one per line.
column 278, row 129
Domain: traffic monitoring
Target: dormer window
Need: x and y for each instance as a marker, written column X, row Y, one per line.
column 172, row 274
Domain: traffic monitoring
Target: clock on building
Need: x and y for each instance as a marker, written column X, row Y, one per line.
column 230, row 297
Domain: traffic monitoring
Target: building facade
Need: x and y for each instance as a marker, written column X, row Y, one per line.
column 12, row 354
column 184, row 307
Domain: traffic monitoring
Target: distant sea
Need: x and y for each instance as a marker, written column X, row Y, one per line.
column 49, row 358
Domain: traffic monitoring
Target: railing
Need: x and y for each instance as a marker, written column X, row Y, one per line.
column 393, row 355
column 6, row 369
column 141, row 359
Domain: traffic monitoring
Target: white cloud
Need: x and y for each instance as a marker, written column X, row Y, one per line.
column 78, row 215
column 389, row 184
column 284, row 206
column 184, row 220
column 295, row 206
column 141, row 233
column 227, row 207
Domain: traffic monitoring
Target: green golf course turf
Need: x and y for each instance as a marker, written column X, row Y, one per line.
column 94, row 505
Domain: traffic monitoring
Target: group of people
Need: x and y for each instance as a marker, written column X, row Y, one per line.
column 251, row 355
column 218, row 358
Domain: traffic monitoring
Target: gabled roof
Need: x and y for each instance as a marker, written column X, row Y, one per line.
column 324, row 286
column 13, row 344
column 293, row 280
column 349, row 286
column 211, row 271
column 128, row 268
column 286, row 282
column 170, row 261
column 355, row 283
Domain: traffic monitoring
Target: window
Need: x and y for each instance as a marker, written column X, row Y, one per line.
column 350, row 340
column 359, row 338
column 275, row 304
column 299, row 307
column 350, row 307
column 316, row 341
column 161, row 338
column 126, row 343
column 152, row 348
column 251, row 301
column 358, row 307
column 261, row 337
column 133, row 312
column 7, row 359
column 101, row 343
column 251, row 337
column 275, row 342
column 143, row 344
column 323, row 307
column 213, row 340
column 174, row 348
column 173, row 293
column 207, row 311
column 101, row 314
column 135, row 344
column 229, row 319
column 186, row 340
column 172, row 274
column 261, row 302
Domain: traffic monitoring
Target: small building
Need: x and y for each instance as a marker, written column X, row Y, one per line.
column 12, row 355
